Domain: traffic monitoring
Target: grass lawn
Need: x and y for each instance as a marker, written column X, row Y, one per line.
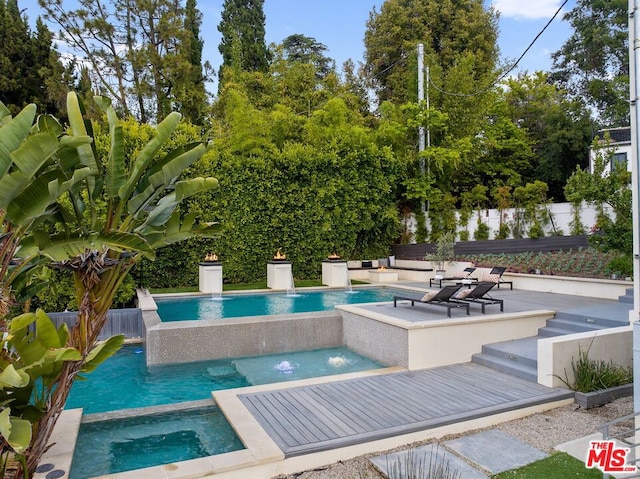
column 557, row 466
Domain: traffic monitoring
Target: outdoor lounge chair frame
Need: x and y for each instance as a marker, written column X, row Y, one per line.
column 499, row 270
column 444, row 297
column 459, row 280
column 480, row 295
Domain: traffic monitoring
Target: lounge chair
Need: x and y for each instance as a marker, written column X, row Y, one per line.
column 444, row 297
column 495, row 275
column 480, row 295
column 464, row 278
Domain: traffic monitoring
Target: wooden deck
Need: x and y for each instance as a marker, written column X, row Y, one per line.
column 316, row 418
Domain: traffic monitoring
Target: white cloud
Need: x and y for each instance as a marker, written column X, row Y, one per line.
column 530, row 10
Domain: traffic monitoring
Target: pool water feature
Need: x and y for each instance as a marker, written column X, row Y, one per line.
column 125, row 381
column 108, row 447
column 239, row 305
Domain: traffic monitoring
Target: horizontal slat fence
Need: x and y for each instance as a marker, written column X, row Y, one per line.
column 547, row 244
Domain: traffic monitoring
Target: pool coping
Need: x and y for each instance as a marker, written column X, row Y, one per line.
column 262, row 457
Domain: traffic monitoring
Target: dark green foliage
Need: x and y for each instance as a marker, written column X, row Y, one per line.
column 306, row 202
column 59, row 295
column 594, row 62
column 29, row 68
column 243, row 27
column 622, row 266
column 482, row 231
column 421, row 228
column 303, row 49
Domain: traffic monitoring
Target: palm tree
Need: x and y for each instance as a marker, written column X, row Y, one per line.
column 109, row 213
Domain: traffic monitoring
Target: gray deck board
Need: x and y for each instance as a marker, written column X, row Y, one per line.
column 314, row 418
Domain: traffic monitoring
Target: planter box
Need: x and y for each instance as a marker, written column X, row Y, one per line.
column 603, row 396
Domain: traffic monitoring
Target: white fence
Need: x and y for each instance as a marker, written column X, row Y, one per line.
column 561, row 216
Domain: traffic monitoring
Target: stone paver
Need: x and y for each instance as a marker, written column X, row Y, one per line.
column 495, row 450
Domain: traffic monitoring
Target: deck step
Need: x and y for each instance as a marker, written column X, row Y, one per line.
column 547, row 332
column 602, row 322
column 514, row 368
column 626, row 299
column 521, row 351
column 574, row 326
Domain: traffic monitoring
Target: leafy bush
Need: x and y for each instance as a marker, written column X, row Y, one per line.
column 622, row 266
column 482, row 231
column 593, row 375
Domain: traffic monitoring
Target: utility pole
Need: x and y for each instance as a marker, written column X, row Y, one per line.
column 634, row 63
column 420, row 100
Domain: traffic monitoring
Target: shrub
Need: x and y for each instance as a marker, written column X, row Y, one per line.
column 593, row 375
column 622, row 266
column 482, row 232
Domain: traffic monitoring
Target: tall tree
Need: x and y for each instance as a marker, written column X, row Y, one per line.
column 30, row 70
column 459, row 38
column 560, row 129
column 303, row 49
column 243, row 29
column 448, row 29
column 191, row 94
column 594, row 62
column 139, row 52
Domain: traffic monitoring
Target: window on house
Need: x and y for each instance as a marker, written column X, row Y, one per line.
column 619, row 159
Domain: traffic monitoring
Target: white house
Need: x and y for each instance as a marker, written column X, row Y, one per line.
column 619, row 140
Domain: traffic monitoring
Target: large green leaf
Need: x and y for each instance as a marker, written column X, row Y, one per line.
column 183, row 189
column 178, row 229
column 102, row 352
column 157, row 182
column 16, row 431
column 13, row 133
column 30, row 156
column 41, row 193
column 12, row 378
column 142, row 162
column 115, row 172
column 63, row 246
column 85, row 151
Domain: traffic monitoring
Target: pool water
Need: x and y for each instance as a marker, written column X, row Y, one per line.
column 238, row 305
column 150, row 440
column 125, row 381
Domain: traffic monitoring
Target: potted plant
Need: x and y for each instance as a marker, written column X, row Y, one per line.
column 443, row 253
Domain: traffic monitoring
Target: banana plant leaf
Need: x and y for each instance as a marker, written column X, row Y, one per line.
column 16, row 431
column 12, row 134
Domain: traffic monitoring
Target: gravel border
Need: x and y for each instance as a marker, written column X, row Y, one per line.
column 543, row 431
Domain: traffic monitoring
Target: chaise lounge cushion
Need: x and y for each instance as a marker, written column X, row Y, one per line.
column 429, row 295
column 463, row 293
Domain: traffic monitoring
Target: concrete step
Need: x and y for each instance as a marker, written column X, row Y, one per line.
column 629, row 292
column 512, row 367
column 573, row 325
column 593, row 319
column 626, row 299
column 521, row 351
column 546, row 332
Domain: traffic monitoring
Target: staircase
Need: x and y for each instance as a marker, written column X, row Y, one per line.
column 519, row 357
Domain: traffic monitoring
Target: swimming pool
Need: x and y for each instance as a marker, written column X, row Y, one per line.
column 124, row 381
column 239, row 305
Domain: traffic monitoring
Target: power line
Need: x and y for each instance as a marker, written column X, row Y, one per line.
column 513, row 66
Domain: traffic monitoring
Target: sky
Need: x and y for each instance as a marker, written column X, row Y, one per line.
column 340, row 25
